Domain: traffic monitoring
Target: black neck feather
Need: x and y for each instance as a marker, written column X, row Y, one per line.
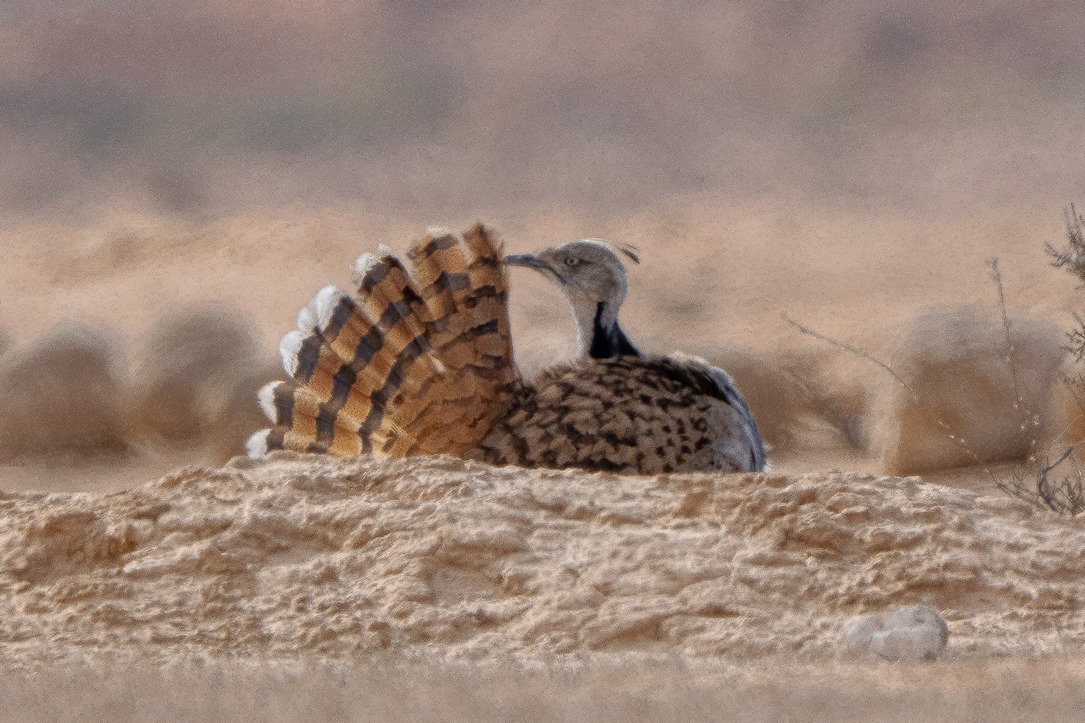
column 608, row 342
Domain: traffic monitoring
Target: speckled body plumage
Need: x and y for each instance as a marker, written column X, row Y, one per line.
column 643, row 414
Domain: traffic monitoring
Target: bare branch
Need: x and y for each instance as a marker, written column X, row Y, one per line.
column 850, row 349
column 1027, row 421
column 961, row 441
column 1064, row 496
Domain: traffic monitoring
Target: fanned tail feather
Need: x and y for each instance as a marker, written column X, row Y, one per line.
column 414, row 364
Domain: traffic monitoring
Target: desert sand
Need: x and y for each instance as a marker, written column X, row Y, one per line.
column 672, row 595
column 448, row 559
column 179, row 179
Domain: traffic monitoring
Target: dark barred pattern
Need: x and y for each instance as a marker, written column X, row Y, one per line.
column 417, row 363
column 308, row 357
column 376, row 275
column 342, row 313
column 276, row 438
column 638, row 415
column 284, row 405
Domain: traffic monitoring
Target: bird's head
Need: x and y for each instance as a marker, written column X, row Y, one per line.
column 589, row 271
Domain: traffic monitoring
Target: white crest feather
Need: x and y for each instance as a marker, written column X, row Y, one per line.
column 289, row 347
column 266, row 397
column 256, row 446
column 324, row 304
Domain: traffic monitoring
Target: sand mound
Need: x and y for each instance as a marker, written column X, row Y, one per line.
column 186, row 372
column 60, row 395
column 956, row 360
column 299, row 555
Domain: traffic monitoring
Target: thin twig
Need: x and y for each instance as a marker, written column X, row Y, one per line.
column 1024, row 413
column 850, row 349
column 1064, row 497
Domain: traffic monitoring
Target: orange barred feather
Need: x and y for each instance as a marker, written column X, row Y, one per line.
column 417, row 362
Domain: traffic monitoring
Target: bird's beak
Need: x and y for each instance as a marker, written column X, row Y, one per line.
column 530, row 261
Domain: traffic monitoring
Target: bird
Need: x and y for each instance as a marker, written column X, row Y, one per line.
column 594, row 279
column 420, row 361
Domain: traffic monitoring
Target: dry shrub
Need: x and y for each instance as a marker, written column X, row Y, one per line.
column 1059, row 485
column 61, row 395
column 186, row 372
column 1072, row 256
column 969, row 399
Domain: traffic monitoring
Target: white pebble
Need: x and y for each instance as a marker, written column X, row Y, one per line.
column 917, row 632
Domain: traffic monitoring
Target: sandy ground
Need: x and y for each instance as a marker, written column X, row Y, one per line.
column 392, row 689
column 437, row 589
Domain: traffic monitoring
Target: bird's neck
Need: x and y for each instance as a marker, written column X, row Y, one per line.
column 599, row 334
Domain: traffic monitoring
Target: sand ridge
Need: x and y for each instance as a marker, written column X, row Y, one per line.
column 300, row 555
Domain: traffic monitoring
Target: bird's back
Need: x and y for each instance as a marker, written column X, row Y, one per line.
column 641, row 415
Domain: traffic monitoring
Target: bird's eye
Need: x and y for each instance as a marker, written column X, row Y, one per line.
column 572, row 261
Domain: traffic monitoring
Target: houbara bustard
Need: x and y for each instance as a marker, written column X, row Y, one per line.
column 421, row 362
column 591, row 274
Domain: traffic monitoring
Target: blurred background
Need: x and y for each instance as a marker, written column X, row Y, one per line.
column 467, row 107
column 177, row 179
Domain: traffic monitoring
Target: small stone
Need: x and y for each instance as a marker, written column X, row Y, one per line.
column 916, row 632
